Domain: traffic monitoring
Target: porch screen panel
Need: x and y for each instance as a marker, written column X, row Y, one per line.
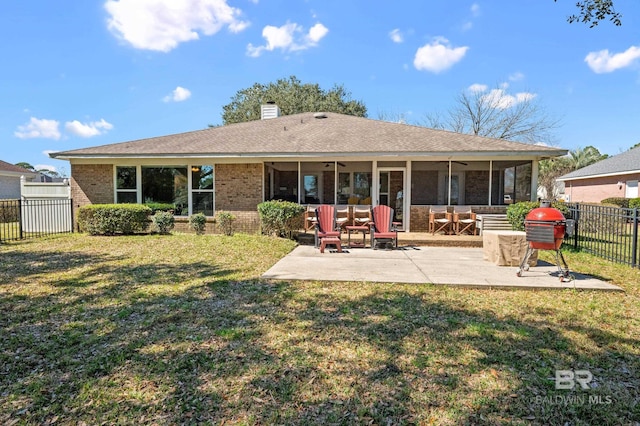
column 424, row 182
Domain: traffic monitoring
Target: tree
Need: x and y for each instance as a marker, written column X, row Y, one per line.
column 551, row 169
column 582, row 157
column 497, row 114
column 26, row 165
column 292, row 97
column 594, row 11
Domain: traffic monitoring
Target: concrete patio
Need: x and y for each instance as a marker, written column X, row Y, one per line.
column 459, row 266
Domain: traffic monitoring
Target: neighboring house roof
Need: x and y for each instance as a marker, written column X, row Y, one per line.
column 306, row 135
column 9, row 169
column 626, row 163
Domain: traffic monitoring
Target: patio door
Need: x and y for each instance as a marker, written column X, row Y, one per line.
column 391, row 190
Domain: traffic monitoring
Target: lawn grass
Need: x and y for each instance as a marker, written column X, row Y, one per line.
column 178, row 329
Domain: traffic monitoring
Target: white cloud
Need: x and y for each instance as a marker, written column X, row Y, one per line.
column 604, row 62
column 396, row 36
column 316, row 33
column 516, row 76
column 163, row 24
column 289, row 37
column 499, row 98
column 438, row 56
column 178, row 95
column 475, row 9
column 87, row 130
column 39, row 128
column 478, row 88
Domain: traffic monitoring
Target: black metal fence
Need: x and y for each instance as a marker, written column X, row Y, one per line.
column 21, row 219
column 607, row 232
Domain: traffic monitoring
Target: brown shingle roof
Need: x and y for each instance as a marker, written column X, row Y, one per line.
column 8, row 167
column 304, row 135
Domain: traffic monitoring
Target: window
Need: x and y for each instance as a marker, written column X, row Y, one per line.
column 202, row 190
column 166, row 184
column 354, row 184
column 126, row 188
column 311, row 187
column 631, row 190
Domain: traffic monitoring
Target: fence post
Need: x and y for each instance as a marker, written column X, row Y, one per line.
column 20, row 217
column 576, row 225
column 634, row 242
column 71, row 212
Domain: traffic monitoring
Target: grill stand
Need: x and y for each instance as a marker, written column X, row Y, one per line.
column 563, row 268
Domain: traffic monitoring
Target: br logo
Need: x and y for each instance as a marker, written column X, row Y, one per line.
column 567, row 379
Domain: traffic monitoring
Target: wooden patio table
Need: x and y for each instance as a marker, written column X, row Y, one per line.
column 357, row 228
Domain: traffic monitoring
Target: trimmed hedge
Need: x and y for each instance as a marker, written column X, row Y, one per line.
column 634, row 203
column 225, row 220
column 111, row 219
column 160, row 207
column 9, row 211
column 198, row 222
column 163, row 222
column 516, row 213
column 280, row 218
column 616, row 201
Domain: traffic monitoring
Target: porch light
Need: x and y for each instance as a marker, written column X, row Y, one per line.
column 195, row 169
column 619, row 185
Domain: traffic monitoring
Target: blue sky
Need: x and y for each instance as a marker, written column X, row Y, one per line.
column 79, row 73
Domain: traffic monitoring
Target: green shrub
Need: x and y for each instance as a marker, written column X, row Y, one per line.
column 516, row 213
column 9, row 211
column 225, row 220
column 616, row 201
column 280, row 218
column 160, row 207
column 198, row 222
column 163, row 222
column 634, row 203
column 111, row 219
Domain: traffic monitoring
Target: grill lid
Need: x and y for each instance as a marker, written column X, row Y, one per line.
column 546, row 214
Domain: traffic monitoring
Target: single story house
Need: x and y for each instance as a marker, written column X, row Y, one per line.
column 309, row 158
column 615, row 176
column 10, row 175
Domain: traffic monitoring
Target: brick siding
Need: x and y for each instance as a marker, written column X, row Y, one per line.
column 239, row 191
column 91, row 184
column 597, row 189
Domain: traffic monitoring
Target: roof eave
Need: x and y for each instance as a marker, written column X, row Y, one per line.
column 540, row 154
column 600, row 175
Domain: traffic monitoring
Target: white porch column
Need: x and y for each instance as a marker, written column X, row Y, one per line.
column 534, row 181
column 375, row 183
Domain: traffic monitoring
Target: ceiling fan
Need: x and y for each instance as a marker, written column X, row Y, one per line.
column 453, row 161
column 328, row 163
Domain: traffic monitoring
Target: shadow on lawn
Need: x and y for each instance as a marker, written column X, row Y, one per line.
column 265, row 353
column 454, row 349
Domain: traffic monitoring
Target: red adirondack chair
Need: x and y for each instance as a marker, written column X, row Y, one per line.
column 326, row 223
column 382, row 228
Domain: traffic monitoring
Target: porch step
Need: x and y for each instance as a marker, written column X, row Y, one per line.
column 493, row 222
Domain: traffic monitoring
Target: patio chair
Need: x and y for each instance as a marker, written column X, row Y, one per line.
column 326, row 226
column 464, row 220
column 310, row 217
column 382, row 226
column 343, row 216
column 361, row 215
column 440, row 220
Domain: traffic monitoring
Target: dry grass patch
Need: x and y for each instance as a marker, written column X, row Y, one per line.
column 179, row 329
